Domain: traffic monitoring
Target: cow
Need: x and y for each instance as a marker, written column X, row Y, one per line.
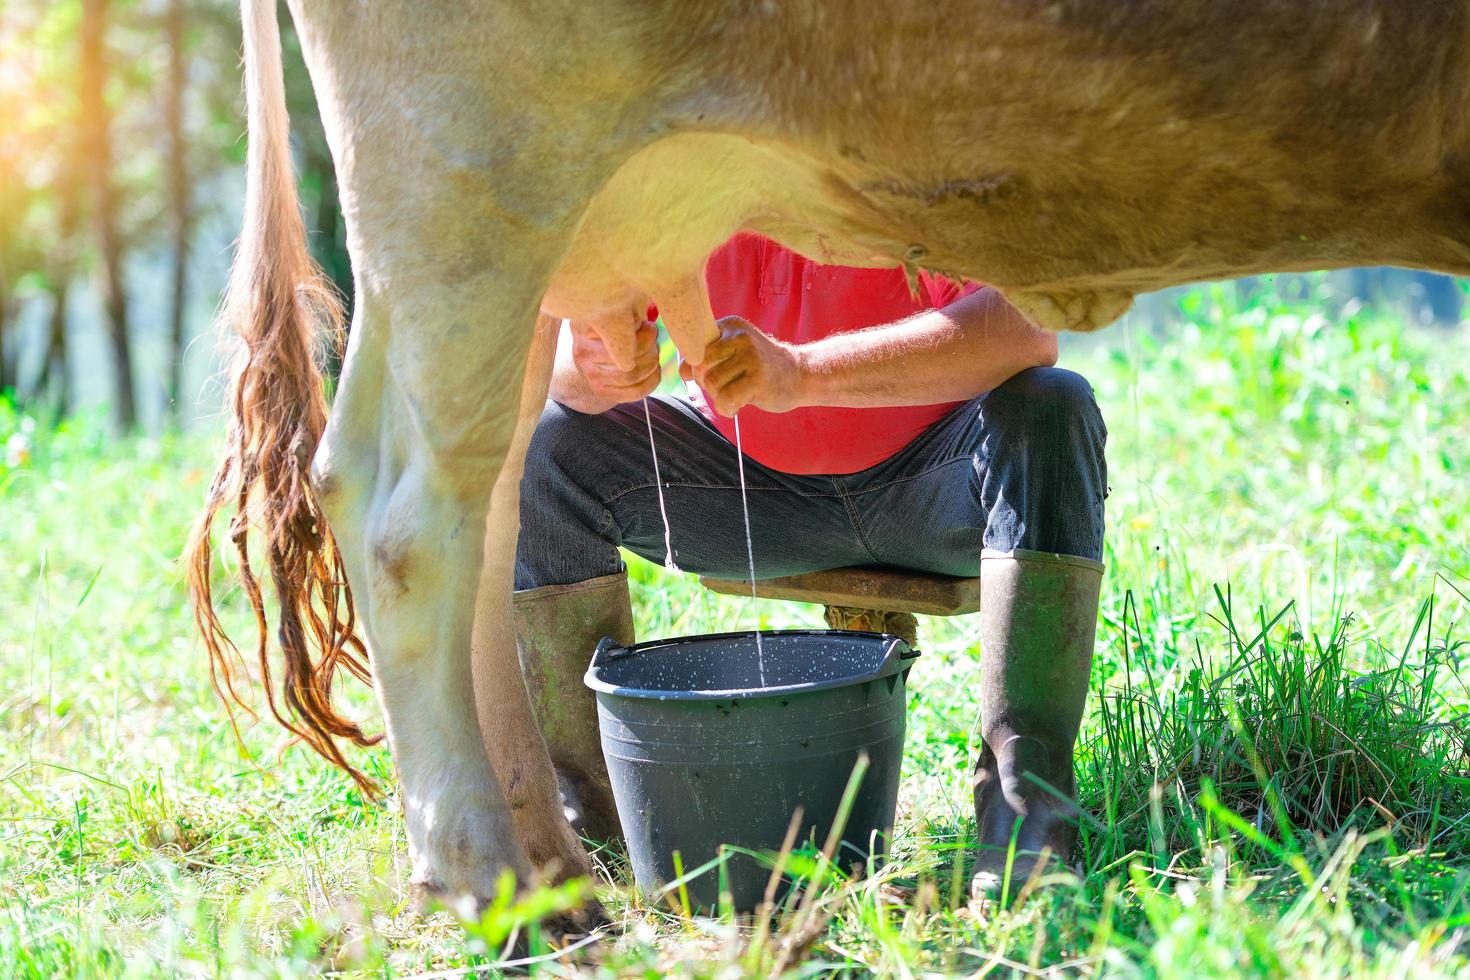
column 504, row 165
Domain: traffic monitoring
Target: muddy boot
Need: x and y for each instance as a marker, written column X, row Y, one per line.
column 557, row 628
column 1038, row 617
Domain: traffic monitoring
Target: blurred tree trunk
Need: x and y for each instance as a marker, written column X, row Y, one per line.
column 61, row 266
column 55, row 373
column 96, row 140
column 55, row 377
column 8, row 358
column 178, row 195
column 11, row 208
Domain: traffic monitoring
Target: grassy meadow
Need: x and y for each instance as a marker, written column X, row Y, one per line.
column 1275, row 761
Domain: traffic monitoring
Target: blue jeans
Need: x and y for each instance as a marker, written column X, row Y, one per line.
column 1018, row 467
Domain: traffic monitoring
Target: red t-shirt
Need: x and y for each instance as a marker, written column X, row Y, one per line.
column 797, row 300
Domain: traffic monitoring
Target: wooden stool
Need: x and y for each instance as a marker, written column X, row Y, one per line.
column 883, row 600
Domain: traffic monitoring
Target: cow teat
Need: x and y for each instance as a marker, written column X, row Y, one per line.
column 684, row 307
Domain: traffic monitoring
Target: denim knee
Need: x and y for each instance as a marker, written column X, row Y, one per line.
column 1049, row 402
column 1042, row 464
column 553, row 443
column 567, row 533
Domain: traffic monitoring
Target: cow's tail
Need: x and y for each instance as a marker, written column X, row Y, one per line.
column 281, row 309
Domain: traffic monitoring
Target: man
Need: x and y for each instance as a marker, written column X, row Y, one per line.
column 926, row 432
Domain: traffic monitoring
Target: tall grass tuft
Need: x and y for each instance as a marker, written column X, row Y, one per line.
column 1280, row 730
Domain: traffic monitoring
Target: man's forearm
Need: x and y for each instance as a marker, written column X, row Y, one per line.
column 969, row 347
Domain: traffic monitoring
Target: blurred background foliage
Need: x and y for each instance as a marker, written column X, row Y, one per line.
column 121, row 153
column 121, row 145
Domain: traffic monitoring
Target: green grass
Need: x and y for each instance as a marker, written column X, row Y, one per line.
column 1275, row 757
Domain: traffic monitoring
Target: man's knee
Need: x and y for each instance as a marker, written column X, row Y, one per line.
column 561, row 441
column 1047, row 387
column 567, row 532
column 1050, row 403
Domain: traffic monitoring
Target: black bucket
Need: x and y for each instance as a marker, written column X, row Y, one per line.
column 704, row 750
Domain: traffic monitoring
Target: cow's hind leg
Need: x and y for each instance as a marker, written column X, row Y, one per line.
column 423, row 423
column 513, row 741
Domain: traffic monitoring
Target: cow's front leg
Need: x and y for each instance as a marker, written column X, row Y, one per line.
column 422, row 425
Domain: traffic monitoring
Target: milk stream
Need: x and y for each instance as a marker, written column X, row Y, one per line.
column 760, row 656
column 659, row 485
column 760, row 653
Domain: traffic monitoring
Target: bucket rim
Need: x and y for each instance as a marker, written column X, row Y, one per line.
column 897, row 656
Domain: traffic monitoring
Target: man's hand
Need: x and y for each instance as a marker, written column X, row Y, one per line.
column 587, row 378
column 747, row 367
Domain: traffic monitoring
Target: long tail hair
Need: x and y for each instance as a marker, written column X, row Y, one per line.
column 280, row 307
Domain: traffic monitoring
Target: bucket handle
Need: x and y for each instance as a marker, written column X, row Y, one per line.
column 607, row 649
column 905, row 658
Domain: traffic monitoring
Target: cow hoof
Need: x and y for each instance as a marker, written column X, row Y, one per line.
column 560, row 929
column 462, row 844
column 1028, row 870
column 576, row 924
column 427, row 897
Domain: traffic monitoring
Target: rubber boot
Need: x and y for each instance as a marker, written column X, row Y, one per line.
column 557, row 628
column 1038, row 619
